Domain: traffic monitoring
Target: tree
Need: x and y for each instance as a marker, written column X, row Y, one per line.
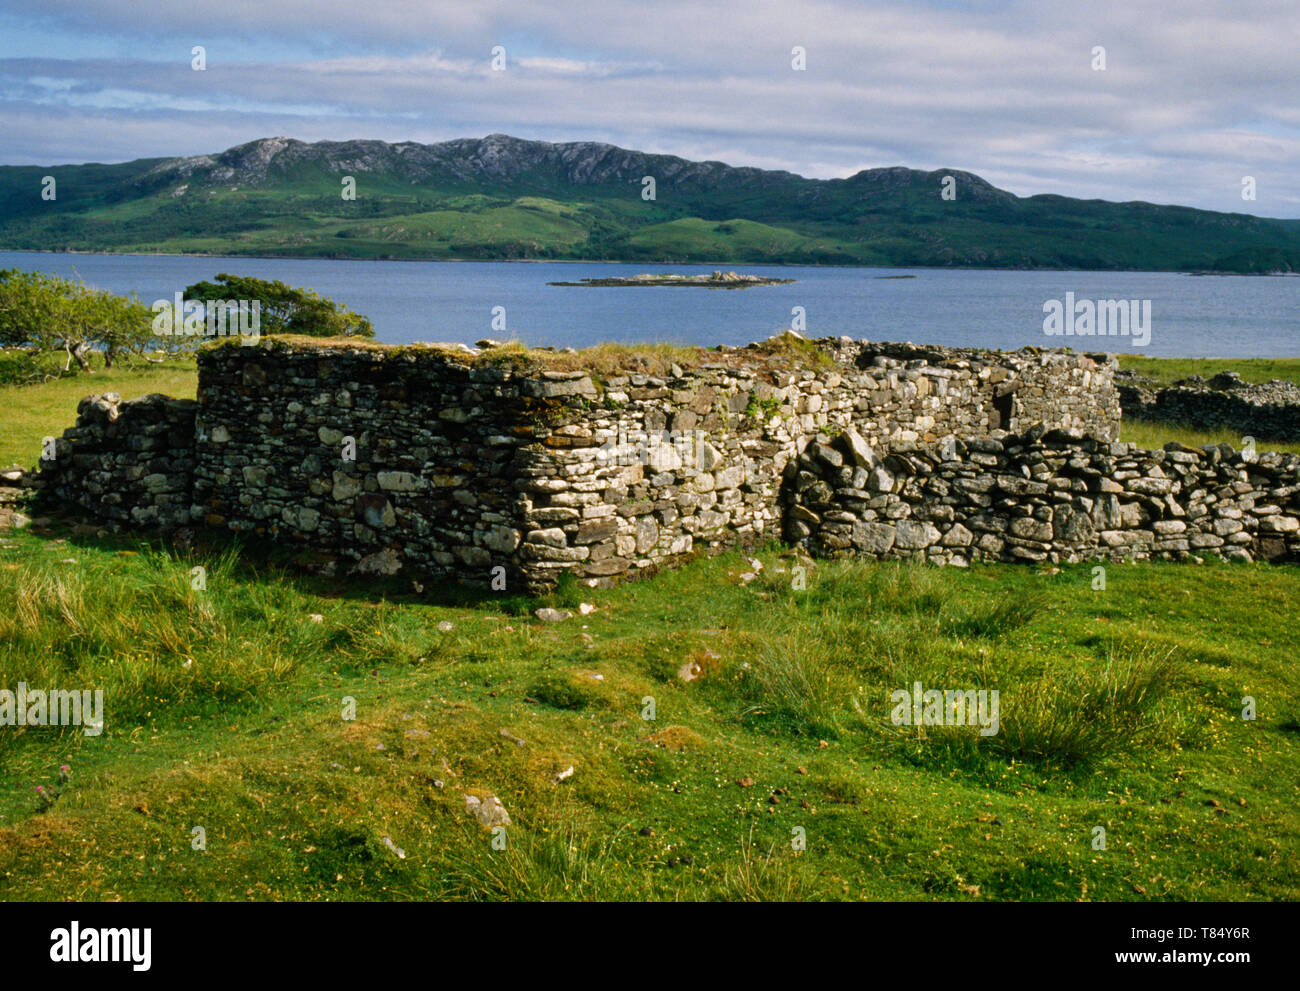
column 284, row 309
column 29, row 303
column 45, row 313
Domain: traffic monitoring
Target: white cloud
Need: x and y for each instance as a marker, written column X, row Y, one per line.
column 1193, row 97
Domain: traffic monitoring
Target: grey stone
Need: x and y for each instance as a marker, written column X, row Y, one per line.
column 874, row 538
column 912, row 535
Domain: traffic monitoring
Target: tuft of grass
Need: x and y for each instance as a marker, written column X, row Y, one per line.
column 1086, row 716
column 676, row 738
column 789, row 347
column 793, row 681
column 998, row 618
column 761, row 876
column 569, row 863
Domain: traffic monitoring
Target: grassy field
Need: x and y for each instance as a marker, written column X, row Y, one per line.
column 225, row 722
column 224, row 710
column 30, row 412
column 1254, row 370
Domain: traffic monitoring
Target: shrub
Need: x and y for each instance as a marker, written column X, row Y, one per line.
column 42, row 315
column 284, row 309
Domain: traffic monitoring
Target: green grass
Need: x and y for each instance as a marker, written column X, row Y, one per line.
column 1256, row 370
column 1151, row 434
column 224, row 711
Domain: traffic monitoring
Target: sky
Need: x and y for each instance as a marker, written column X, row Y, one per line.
column 1194, row 96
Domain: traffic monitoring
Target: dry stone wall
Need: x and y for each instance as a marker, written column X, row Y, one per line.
column 970, row 393
column 125, row 463
column 1267, row 412
column 1040, row 496
column 462, row 467
column 428, row 462
column 385, row 462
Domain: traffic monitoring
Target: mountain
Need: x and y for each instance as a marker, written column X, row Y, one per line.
column 505, row 198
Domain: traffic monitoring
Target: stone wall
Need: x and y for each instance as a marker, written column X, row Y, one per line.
column 973, row 392
column 463, row 465
column 388, row 462
column 430, row 462
column 1267, row 412
column 1041, row 496
column 16, row 491
column 125, row 463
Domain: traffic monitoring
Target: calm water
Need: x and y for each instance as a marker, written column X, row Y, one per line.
column 1192, row 316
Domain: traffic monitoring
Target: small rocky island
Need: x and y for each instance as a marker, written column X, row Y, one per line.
column 714, row 280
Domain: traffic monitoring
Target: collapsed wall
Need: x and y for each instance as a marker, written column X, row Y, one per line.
column 1270, row 411
column 125, row 463
column 427, row 461
column 1042, row 496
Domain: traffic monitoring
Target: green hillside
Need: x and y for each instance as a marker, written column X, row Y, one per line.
column 503, row 198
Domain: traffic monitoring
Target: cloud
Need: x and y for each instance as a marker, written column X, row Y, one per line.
column 1190, row 100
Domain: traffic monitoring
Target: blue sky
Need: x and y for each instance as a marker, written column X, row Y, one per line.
column 1196, row 94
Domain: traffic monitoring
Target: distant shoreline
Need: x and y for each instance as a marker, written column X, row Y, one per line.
column 636, row 261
